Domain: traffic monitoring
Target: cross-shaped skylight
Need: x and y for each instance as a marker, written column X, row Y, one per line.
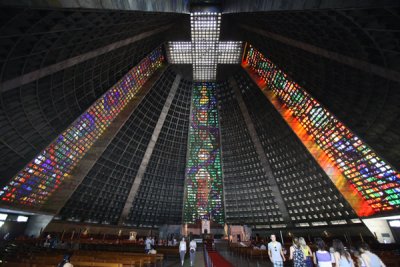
column 205, row 51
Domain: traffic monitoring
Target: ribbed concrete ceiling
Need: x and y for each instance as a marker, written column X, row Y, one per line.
column 348, row 59
column 56, row 62
column 360, row 86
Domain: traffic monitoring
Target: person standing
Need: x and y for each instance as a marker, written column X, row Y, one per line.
column 359, row 261
column 370, row 259
column 306, row 251
column 322, row 257
column 296, row 254
column 182, row 250
column 275, row 252
column 292, row 248
column 342, row 257
column 147, row 245
column 192, row 250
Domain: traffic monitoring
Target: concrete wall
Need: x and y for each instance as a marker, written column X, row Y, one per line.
column 381, row 229
column 36, row 224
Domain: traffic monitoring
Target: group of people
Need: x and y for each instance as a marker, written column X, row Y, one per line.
column 192, row 251
column 303, row 256
column 149, row 248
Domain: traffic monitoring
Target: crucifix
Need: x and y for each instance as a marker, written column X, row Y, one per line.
column 205, row 51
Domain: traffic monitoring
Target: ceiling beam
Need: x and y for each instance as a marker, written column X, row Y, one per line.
column 45, row 71
column 239, row 6
column 176, row 6
column 342, row 59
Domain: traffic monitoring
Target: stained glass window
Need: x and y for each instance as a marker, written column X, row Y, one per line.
column 373, row 177
column 204, row 174
column 44, row 174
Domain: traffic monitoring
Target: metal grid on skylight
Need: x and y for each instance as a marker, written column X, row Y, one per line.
column 205, row 29
column 205, row 51
column 229, row 52
column 179, row 52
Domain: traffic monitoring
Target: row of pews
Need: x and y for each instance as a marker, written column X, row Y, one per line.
column 86, row 259
column 248, row 252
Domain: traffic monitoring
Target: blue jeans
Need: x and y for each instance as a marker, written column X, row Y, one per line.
column 182, row 254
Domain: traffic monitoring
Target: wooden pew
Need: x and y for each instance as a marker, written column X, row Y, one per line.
column 16, row 264
column 75, row 263
column 52, row 258
column 258, row 253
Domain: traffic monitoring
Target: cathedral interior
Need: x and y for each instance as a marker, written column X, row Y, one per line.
column 160, row 117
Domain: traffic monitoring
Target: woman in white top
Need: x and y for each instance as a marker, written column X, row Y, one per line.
column 192, row 250
column 182, row 250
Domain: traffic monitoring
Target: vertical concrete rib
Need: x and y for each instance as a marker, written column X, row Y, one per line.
column 149, row 150
column 187, row 154
column 260, row 152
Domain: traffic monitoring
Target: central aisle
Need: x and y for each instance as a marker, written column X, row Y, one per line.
column 199, row 261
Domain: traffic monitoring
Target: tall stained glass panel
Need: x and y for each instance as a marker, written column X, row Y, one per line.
column 204, row 175
column 33, row 185
column 371, row 176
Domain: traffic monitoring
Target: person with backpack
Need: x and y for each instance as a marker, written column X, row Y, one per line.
column 192, row 251
column 296, row 254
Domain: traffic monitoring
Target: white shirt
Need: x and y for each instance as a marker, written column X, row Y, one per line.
column 275, row 248
column 193, row 245
column 182, row 246
column 148, row 244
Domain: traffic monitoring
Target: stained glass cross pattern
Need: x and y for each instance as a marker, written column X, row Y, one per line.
column 205, row 51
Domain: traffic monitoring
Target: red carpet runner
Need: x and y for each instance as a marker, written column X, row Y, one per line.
column 218, row 260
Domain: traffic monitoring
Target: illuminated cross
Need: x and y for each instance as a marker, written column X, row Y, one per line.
column 205, row 50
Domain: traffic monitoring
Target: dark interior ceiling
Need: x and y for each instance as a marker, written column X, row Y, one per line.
column 35, row 38
column 363, row 98
column 34, row 41
column 362, row 94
